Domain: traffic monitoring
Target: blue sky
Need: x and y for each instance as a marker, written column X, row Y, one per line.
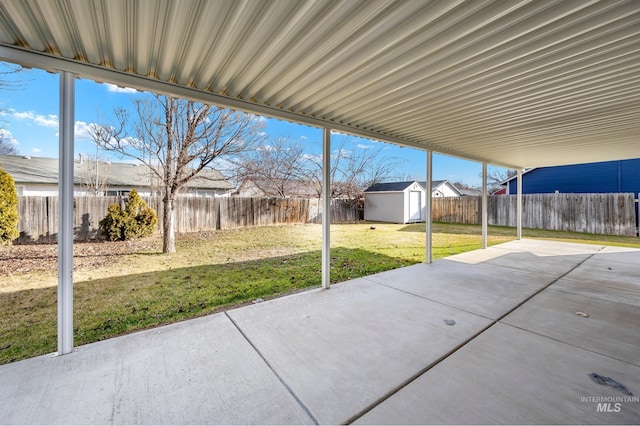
column 29, row 119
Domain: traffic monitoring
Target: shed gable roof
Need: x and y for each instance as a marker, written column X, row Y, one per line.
column 401, row 186
column 390, row 186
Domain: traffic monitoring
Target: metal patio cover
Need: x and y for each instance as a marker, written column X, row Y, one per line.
column 516, row 83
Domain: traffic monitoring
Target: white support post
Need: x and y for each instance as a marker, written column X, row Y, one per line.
column 519, row 204
column 484, row 206
column 65, row 214
column 427, row 207
column 326, row 208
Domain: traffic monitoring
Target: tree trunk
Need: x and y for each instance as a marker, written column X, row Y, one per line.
column 168, row 229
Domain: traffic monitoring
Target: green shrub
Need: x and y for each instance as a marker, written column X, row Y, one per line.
column 134, row 221
column 8, row 209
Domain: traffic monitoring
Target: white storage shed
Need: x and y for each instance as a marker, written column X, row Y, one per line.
column 395, row 202
column 402, row 202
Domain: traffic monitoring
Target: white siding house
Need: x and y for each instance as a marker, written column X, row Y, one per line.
column 38, row 176
column 442, row 188
column 402, row 202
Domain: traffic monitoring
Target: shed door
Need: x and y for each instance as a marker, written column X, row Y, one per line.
column 414, row 206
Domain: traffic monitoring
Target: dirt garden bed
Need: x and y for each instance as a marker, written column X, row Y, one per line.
column 21, row 259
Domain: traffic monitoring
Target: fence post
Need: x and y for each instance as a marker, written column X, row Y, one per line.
column 636, row 208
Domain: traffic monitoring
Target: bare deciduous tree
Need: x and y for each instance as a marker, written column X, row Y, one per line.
column 7, row 147
column 93, row 173
column 278, row 164
column 353, row 171
column 177, row 139
column 284, row 166
column 496, row 176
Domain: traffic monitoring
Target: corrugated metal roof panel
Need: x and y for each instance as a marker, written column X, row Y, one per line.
column 524, row 83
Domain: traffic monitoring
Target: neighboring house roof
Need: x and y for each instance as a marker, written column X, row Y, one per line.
column 514, row 177
column 501, row 191
column 469, row 192
column 43, row 170
column 437, row 183
column 271, row 188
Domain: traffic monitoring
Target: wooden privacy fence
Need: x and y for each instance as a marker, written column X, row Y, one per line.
column 610, row 214
column 39, row 215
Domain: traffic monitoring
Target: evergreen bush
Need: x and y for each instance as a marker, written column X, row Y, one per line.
column 134, row 221
column 8, row 209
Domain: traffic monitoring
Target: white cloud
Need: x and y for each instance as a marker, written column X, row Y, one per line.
column 312, row 157
column 50, row 120
column 35, row 150
column 82, row 130
column 117, row 89
column 258, row 118
column 267, row 148
column 131, row 141
column 6, row 136
column 339, row 153
column 363, row 146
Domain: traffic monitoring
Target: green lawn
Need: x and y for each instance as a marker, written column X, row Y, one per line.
column 215, row 270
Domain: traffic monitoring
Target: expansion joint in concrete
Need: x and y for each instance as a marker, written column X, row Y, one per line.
column 280, row 379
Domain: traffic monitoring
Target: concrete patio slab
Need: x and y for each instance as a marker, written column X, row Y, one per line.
column 412, row 345
column 512, row 376
column 612, row 327
column 622, row 254
column 342, row 350
column 483, row 290
column 609, row 271
column 197, row 372
column 549, row 247
column 553, row 265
